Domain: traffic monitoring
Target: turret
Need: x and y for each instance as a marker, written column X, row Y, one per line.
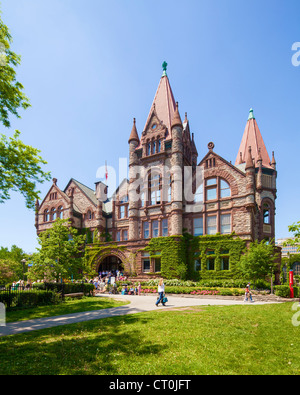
column 250, row 177
column 177, row 169
column 133, row 207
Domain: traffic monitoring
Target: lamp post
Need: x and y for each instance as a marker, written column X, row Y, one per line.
column 272, row 280
column 23, row 261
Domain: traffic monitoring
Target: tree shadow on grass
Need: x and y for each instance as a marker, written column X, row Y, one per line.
column 99, row 347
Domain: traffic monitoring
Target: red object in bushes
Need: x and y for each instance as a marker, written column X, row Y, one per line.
column 291, row 277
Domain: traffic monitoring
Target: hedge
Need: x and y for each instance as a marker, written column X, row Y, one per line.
column 28, row 298
column 284, row 291
column 68, row 288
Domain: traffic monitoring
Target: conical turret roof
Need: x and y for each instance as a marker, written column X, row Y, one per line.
column 252, row 138
column 164, row 104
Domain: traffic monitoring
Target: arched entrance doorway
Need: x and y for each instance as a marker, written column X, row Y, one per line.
column 110, row 263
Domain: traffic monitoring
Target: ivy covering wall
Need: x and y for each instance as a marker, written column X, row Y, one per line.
column 178, row 254
column 173, row 252
column 215, row 248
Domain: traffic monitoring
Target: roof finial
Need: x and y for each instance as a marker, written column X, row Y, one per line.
column 164, row 66
column 251, row 115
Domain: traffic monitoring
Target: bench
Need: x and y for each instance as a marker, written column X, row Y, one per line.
column 78, row 295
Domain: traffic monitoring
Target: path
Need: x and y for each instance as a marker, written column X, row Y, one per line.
column 138, row 304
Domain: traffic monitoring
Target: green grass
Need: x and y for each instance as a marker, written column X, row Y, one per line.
column 70, row 306
column 231, row 340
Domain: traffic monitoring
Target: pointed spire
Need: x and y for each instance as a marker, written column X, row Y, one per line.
column 273, row 163
column 259, row 158
column 134, row 134
column 163, row 105
column 194, row 149
column 249, row 160
column 241, row 159
column 252, row 137
column 176, row 121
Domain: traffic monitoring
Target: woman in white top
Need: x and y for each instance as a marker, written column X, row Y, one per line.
column 161, row 291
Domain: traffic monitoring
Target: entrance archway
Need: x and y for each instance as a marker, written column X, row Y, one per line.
column 110, row 263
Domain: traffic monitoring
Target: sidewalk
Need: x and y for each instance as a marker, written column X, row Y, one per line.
column 138, row 304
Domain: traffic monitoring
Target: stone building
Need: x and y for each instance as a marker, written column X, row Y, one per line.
column 170, row 194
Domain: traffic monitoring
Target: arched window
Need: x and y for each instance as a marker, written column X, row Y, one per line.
column 143, row 199
column 89, row 215
column 216, row 188
column 159, row 146
column 154, row 147
column 266, row 214
column 211, row 189
column 148, row 149
column 124, row 199
column 154, row 189
column 224, row 189
column 53, row 214
column 60, row 212
column 46, row 215
column 199, row 195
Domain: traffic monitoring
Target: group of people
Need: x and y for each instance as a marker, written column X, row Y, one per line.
column 106, row 280
column 133, row 290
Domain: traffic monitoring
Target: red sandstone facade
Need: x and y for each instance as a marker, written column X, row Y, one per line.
column 229, row 198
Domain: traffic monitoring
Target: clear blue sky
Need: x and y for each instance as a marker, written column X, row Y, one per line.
column 90, row 66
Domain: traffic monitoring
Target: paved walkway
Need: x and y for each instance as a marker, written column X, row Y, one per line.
column 138, row 304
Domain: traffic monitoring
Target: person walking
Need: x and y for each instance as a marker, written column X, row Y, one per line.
column 248, row 293
column 161, row 291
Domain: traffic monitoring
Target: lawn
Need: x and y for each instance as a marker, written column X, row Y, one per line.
column 70, row 306
column 219, row 340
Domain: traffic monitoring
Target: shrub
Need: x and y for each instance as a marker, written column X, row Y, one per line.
column 284, row 291
column 68, row 288
column 28, row 298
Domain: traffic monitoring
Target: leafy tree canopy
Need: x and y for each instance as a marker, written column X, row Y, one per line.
column 295, row 229
column 258, row 262
column 20, row 164
column 61, row 254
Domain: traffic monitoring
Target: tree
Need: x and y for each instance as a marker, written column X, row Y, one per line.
column 20, row 164
column 8, row 271
column 61, row 254
column 20, row 169
column 259, row 260
column 295, row 228
column 11, row 267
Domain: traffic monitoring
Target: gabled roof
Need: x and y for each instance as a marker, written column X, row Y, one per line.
column 90, row 193
column 253, row 138
column 211, row 152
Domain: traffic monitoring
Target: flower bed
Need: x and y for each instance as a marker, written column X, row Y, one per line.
column 196, row 291
column 204, row 292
